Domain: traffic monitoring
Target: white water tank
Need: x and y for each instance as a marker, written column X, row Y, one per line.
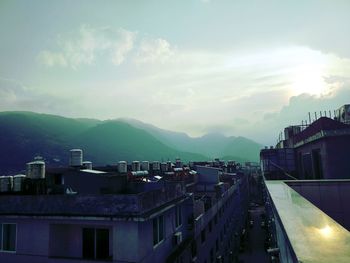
column 155, row 166
column 6, row 183
column 36, row 170
column 122, row 167
column 135, row 166
column 87, row 165
column 18, row 181
column 75, row 157
column 145, row 166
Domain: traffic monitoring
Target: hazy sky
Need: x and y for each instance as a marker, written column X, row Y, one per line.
column 237, row 67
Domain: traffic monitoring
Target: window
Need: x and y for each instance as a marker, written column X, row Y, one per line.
column 8, row 233
column 178, row 216
column 210, row 226
column 203, row 235
column 158, row 230
column 193, row 249
column 211, row 255
column 95, row 243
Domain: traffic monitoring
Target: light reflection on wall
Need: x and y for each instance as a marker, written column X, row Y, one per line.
column 326, row 232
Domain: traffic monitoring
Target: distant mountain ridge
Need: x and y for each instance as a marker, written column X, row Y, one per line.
column 212, row 145
column 24, row 135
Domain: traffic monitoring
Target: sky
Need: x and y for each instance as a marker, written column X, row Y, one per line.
column 240, row 68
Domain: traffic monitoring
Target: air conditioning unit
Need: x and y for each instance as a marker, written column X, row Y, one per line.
column 177, row 238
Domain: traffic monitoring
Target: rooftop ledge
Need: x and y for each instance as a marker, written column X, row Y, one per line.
column 314, row 236
column 119, row 205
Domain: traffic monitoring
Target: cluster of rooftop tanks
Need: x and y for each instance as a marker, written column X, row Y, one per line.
column 35, row 171
column 33, row 181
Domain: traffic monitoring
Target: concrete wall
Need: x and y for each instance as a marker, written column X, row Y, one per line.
column 332, row 197
column 90, row 183
column 208, row 175
column 335, row 152
column 45, row 240
column 66, row 241
column 286, row 254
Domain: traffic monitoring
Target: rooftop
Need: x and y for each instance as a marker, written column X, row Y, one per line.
column 313, row 235
column 109, row 205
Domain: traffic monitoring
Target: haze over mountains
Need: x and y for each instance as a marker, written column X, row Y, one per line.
column 24, row 135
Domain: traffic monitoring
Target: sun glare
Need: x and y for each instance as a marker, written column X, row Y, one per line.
column 308, row 75
column 308, row 79
column 326, row 231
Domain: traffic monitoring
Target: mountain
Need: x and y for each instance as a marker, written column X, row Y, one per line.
column 212, row 145
column 24, row 135
column 114, row 140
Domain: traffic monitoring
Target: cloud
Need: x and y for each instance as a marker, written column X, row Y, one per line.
column 154, row 50
column 89, row 43
column 298, row 107
column 16, row 96
column 122, row 47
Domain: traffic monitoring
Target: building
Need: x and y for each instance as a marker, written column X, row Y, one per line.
column 139, row 212
column 306, row 191
column 319, row 150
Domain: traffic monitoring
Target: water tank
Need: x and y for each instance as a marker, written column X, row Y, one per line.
column 36, row 170
column 75, row 157
column 178, row 163
column 163, row 167
column 135, row 166
column 145, row 166
column 6, row 183
column 18, row 182
column 122, row 167
column 156, row 166
column 169, row 166
column 231, row 162
column 87, row 165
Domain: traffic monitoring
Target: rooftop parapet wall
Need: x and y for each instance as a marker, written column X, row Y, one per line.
column 309, row 235
column 322, row 124
column 90, row 205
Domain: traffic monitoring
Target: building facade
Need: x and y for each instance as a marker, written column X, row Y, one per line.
column 175, row 214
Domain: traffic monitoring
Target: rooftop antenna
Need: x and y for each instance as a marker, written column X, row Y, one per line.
column 325, row 113
column 330, row 114
column 309, row 117
column 320, row 114
column 315, row 115
column 335, row 115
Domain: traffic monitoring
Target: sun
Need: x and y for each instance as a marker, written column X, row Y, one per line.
column 308, row 73
column 309, row 78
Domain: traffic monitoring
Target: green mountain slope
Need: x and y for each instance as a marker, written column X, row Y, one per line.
column 243, row 148
column 212, row 145
column 23, row 135
column 113, row 140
